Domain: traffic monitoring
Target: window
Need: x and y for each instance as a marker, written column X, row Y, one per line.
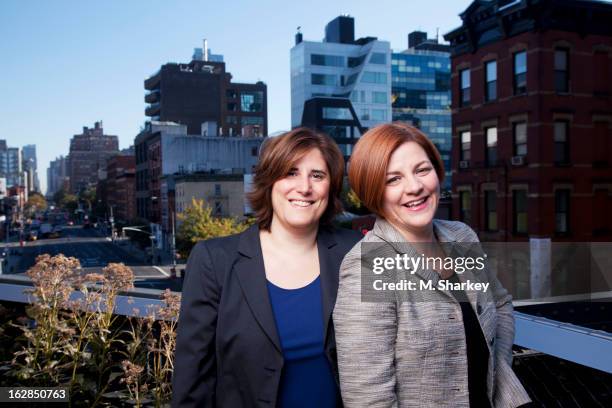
column 519, row 205
column 519, row 131
column 231, row 120
column 464, row 90
column 491, row 152
column 490, row 210
column 374, row 77
column 601, row 73
column 562, row 197
column 337, row 113
column 231, row 93
column 355, row 61
column 365, row 114
column 379, row 114
column 561, row 149
column 520, row 72
column 254, row 151
column 351, row 79
column 324, row 79
column 466, row 142
column 465, row 206
column 491, row 81
column 232, row 107
column 379, row 97
column 601, row 144
column 217, row 189
column 327, row 60
column 378, row 58
column 252, row 120
column 251, row 101
column 218, row 211
column 561, row 70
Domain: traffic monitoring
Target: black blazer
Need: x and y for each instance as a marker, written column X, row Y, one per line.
column 228, row 352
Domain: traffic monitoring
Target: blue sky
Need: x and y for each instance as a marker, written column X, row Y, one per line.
column 66, row 64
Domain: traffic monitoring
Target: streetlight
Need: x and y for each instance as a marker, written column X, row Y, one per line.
column 151, row 237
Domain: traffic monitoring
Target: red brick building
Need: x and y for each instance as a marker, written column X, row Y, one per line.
column 121, row 187
column 532, row 119
column 88, row 154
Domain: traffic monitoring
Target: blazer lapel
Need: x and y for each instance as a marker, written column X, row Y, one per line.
column 252, row 277
column 329, row 266
column 455, row 248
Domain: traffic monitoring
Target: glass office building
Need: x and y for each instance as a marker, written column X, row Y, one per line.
column 421, row 95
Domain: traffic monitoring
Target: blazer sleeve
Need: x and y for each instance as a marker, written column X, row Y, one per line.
column 194, row 379
column 365, row 341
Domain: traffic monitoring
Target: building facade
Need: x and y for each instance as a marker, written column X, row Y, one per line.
column 88, row 154
column 202, row 92
column 532, row 120
column 57, row 175
column 165, row 149
column 223, row 193
column 343, row 68
column 121, row 187
column 30, row 165
column 11, row 165
column 421, row 93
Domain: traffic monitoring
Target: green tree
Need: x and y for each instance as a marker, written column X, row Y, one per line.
column 36, row 202
column 198, row 223
column 352, row 203
column 69, row 202
column 59, row 196
column 88, row 196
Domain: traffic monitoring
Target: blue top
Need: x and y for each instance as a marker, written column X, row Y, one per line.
column 307, row 379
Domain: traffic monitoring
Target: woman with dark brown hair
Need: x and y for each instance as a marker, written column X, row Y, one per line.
column 255, row 326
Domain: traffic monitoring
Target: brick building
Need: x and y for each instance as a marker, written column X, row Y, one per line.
column 88, row 154
column 121, row 187
column 532, row 119
column 202, row 91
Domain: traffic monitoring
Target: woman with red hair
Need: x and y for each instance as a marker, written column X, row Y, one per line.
column 413, row 347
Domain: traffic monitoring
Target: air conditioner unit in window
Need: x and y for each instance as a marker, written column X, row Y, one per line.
column 464, row 164
column 518, row 160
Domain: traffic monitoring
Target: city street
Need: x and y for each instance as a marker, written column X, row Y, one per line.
column 93, row 250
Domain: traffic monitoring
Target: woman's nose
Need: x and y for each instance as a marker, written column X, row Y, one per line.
column 304, row 184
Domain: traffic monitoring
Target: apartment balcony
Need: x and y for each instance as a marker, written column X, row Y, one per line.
column 153, row 109
column 153, row 96
column 152, row 82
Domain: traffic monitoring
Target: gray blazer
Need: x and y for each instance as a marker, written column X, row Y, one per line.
column 411, row 352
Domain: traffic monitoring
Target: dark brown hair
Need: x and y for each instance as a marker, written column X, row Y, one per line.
column 278, row 155
column 371, row 155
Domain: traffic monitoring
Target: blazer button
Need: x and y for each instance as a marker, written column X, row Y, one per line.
column 479, row 309
column 492, row 342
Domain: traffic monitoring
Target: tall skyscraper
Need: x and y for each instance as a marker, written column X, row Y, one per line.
column 11, row 165
column 333, row 72
column 88, row 154
column 57, row 175
column 202, row 91
column 30, row 165
column 421, row 92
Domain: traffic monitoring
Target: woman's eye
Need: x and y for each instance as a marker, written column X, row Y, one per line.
column 424, row 170
column 393, row 179
column 318, row 176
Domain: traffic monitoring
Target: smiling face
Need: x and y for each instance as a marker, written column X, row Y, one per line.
column 300, row 198
column 412, row 192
